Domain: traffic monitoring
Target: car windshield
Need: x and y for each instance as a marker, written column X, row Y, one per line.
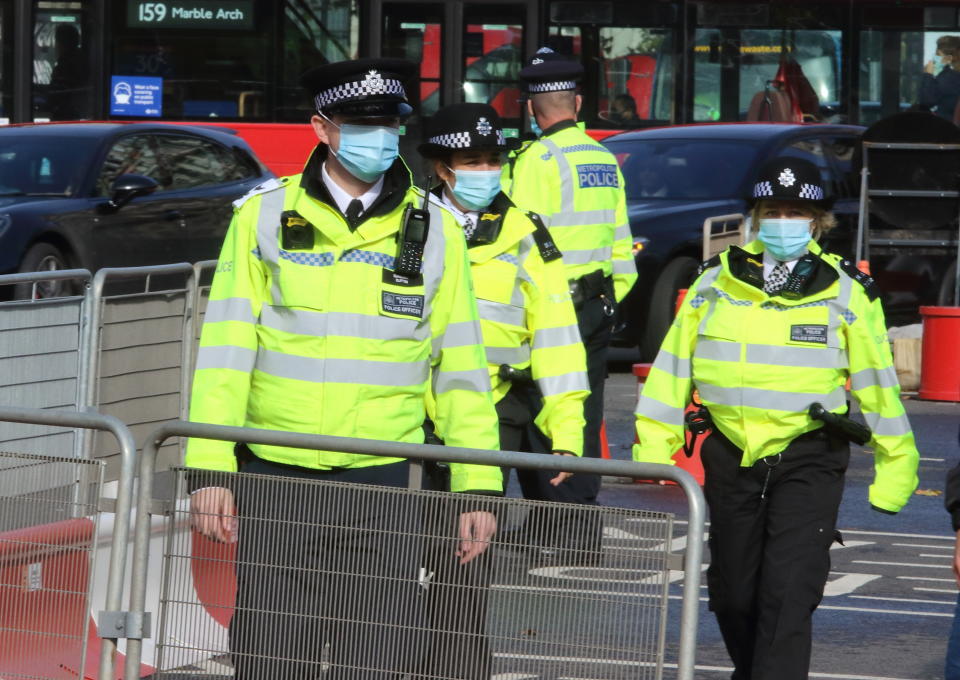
column 42, row 164
column 683, row 169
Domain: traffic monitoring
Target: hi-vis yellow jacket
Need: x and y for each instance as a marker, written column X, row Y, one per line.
column 528, row 320
column 576, row 185
column 759, row 361
column 310, row 332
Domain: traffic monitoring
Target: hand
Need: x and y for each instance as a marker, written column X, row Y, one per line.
column 213, row 514
column 476, row 529
column 561, row 476
column 956, row 559
column 930, row 68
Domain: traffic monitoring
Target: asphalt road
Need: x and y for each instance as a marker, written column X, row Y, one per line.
column 891, row 594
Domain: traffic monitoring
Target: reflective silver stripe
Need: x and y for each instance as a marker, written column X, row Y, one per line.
column 434, row 257
column 306, row 322
column 501, row 313
column 587, row 256
column 707, row 292
column 654, row 409
column 622, row 232
column 477, row 380
column 838, row 307
column 584, row 218
column 229, row 309
column 461, row 334
column 565, row 382
column 775, row 400
column 624, row 266
column 353, row 371
column 802, row 357
column 717, row 350
column 556, row 337
column 508, row 355
column 268, row 240
column 226, row 356
column 888, row 427
column 566, row 180
column 872, row 377
column 674, row 365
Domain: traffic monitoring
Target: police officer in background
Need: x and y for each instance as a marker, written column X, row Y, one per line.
column 765, row 332
column 334, row 311
column 575, row 184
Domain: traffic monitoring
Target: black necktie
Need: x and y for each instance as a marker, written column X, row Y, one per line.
column 353, row 212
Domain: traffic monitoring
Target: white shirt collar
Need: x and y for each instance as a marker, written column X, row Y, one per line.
column 342, row 198
column 769, row 262
column 460, row 215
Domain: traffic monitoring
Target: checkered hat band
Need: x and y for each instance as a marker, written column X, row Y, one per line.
column 462, row 140
column 762, row 189
column 357, row 89
column 812, row 192
column 555, row 86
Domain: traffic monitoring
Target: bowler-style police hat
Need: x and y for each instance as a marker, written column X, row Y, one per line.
column 790, row 179
column 460, row 127
column 370, row 88
column 548, row 71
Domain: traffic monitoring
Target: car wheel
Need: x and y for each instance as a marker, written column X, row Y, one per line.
column 679, row 273
column 42, row 257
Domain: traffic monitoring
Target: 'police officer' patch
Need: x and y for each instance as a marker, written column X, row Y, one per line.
column 405, row 305
column 806, row 333
column 597, row 175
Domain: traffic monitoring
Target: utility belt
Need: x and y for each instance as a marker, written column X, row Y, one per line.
column 591, row 286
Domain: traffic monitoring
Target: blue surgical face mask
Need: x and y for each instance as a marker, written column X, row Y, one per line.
column 475, row 189
column 785, row 239
column 937, row 61
column 367, row 151
column 534, row 128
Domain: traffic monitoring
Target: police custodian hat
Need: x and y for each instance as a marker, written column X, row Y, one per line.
column 789, row 179
column 361, row 87
column 549, row 71
column 459, row 127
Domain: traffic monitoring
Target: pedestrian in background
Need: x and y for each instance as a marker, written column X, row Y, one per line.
column 765, row 332
column 316, row 324
column 940, row 82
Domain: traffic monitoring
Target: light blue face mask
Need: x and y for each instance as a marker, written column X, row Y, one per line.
column 475, row 189
column 785, row 239
column 367, row 151
column 534, row 128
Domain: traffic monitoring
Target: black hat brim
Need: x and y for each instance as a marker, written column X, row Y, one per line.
column 371, row 108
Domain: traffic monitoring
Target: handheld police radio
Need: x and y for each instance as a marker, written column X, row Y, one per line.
column 413, row 236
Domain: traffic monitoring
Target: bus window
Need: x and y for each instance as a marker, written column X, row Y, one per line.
column 734, row 67
column 414, row 32
column 493, row 56
column 61, row 63
column 637, row 81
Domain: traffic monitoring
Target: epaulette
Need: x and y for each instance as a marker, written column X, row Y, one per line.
column 541, row 235
column 709, row 264
column 262, row 188
column 864, row 279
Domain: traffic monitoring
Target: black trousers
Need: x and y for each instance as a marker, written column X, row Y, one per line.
column 327, row 580
column 771, row 527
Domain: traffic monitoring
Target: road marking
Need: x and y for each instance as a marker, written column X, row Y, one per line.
column 926, row 578
column 512, row 676
column 939, row 590
column 904, row 564
column 871, row 610
column 813, row 674
column 936, row 556
column 932, row 460
column 896, row 535
column 848, row 583
column 900, row 599
column 919, row 545
column 850, row 544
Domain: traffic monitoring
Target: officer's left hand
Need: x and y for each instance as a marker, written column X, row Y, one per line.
column 476, row 529
column 561, row 476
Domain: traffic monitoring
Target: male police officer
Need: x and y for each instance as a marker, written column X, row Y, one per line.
column 334, row 310
column 575, row 184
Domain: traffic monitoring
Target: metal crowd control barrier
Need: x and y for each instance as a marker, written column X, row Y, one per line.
column 46, row 503
column 358, row 616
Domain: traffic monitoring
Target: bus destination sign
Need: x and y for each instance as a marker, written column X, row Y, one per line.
column 228, row 14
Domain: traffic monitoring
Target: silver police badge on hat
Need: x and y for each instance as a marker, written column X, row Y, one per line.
column 787, row 178
column 373, row 83
column 537, row 61
column 484, row 127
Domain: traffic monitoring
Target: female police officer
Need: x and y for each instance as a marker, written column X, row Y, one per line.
column 535, row 356
column 766, row 331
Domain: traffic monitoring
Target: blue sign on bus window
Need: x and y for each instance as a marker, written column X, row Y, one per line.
column 136, row 96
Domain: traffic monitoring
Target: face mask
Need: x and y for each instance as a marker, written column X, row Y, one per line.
column 475, row 189
column 367, row 151
column 785, row 239
column 937, row 61
column 534, row 128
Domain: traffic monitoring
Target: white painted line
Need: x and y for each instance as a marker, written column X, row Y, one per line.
column 919, row 545
column 926, row 578
column 901, row 599
column 932, row 460
column 950, row 537
column 952, row 591
column 949, row 557
column 904, row 564
column 871, row 610
column 813, row 674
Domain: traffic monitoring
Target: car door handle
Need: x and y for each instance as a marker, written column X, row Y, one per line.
column 172, row 215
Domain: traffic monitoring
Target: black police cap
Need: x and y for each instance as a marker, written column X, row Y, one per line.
column 790, row 179
column 549, row 71
column 361, row 87
column 459, row 127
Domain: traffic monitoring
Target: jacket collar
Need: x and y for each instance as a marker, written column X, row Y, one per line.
column 557, row 127
column 502, row 220
column 744, row 269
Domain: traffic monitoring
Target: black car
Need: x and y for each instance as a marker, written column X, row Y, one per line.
column 92, row 195
column 677, row 177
